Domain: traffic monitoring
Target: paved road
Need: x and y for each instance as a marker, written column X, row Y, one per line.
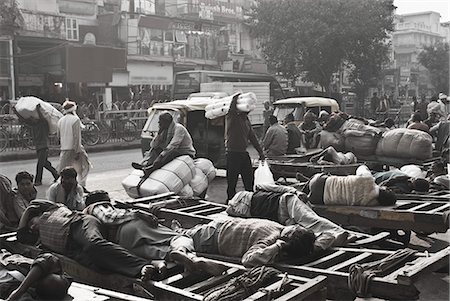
column 107, row 172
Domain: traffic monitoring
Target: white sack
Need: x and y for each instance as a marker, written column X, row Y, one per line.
column 169, row 178
column 182, row 167
column 246, row 102
column 186, row 191
column 199, row 182
column 405, row 143
column 207, row 167
column 26, row 107
column 360, row 142
column 148, row 188
column 263, row 174
column 413, row 171
column 334, row 139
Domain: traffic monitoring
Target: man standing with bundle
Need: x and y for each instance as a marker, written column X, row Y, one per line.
column 238, row 131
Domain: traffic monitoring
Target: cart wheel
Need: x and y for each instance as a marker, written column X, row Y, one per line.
column 402, row 236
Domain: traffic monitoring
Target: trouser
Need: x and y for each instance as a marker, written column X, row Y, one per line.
column 87, row 238
column 205, row 237
column 42, row 156
column 239, row 164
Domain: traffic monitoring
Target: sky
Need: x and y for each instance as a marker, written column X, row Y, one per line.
column 414, row 6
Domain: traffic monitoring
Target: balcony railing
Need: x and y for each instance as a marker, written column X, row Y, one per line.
column 43, row 25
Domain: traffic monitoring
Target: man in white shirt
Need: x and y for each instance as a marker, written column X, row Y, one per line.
column 72, row 152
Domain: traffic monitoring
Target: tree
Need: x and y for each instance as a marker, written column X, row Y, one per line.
column 11, row 19
column 435, row 59
column 312, row 39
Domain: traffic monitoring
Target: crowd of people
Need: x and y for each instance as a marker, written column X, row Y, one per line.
column 272, row 222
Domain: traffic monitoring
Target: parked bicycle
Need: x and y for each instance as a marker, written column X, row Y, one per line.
column 14, row 134
column 90, row 133
column 120, row 127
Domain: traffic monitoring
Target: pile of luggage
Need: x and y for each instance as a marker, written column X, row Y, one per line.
column 365, row 140
column 183, row 175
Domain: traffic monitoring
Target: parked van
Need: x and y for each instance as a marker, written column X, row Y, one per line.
column 207, row 135
column 298, row 106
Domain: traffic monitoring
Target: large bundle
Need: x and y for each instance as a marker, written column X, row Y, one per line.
column 360, row 142
column 405, row 143
column 186, row 191
column 26, row 107
column 172, row 177
column 245, row 103
column 199, row 182
column 207, row 167
column 149, row 187
column 360, row 139
column 334, row 139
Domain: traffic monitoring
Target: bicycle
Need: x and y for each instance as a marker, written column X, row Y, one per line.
column 23, row 137
column 90, row 133
column 120, row 127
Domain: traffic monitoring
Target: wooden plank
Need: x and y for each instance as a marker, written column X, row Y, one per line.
column 193, row 208
column 332, row 256
column 263, row 292
column 152, row 198
column 171, row 290
column 97, row 292
column 418, row 207
column 370, row 239
column 304, row 290
column 213, row 281
column 440, row 208
column 208, row 211
column 409, row 273
column 350, row 261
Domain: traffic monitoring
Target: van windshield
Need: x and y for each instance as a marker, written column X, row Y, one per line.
column 152, row 122
column 281, row 111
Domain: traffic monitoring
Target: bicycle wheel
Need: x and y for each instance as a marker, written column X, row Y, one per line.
column 105, row 132
column 129, row 130
column 4, row 140
column 26, row 138
column 90, row 134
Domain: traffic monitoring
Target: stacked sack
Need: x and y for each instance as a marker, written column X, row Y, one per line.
column 183, row 176
column 26, row 107
column 405, row 143
column 172, row 177
column 360, row 139
column 246, row 102
column 205, row 172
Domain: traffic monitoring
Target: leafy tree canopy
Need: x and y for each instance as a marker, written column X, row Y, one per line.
column 10, row 17
column 435, row 59
column 314, row 37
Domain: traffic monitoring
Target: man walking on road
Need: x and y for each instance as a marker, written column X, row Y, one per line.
column 72, row 152
column 238, row 131
column 40, row 130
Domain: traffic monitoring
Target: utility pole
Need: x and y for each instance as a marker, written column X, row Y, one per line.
column 11, row 69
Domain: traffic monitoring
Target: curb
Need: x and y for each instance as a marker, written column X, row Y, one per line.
column 54, row 152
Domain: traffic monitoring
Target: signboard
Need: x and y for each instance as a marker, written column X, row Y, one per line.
column 148, row 73
column 215, row 8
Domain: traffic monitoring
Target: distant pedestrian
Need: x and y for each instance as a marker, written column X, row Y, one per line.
column 238, row 132
column 421, row 107
column 72, row 151
column 276, row 138
column 39, row 130
column 268, row 111
column 374, row 103
column 294, row 134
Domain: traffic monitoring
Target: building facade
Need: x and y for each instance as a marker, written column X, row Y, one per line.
column 108, row 50
column 406, row 76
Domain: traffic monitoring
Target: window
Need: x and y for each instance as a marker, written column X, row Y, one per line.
column 72, row 29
